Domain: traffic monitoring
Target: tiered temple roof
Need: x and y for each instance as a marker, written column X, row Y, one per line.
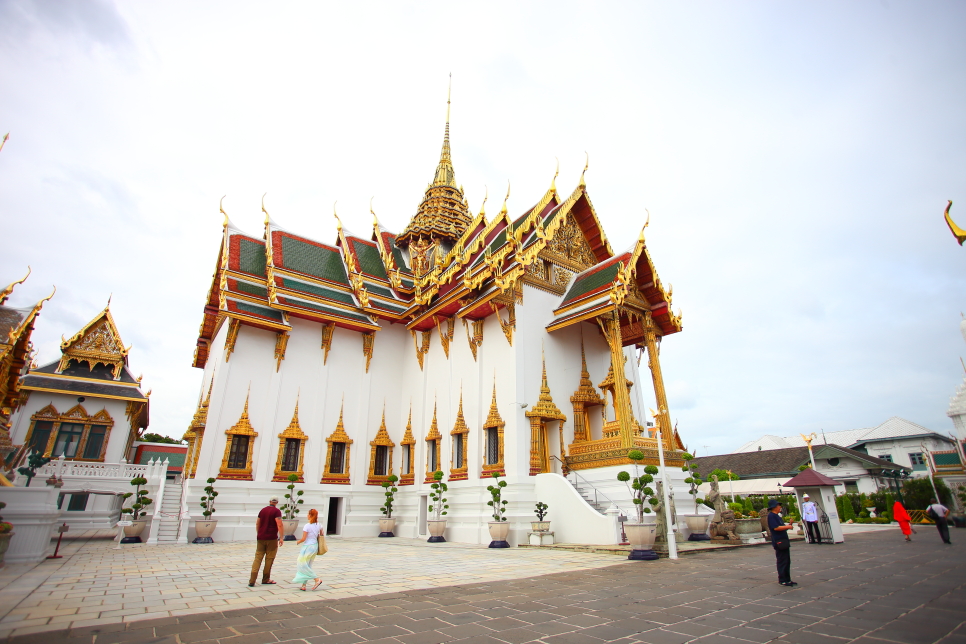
column 468, row 268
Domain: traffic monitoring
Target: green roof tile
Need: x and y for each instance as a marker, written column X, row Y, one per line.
column 313, row 260
column 251, row 257
column 318, row 291
column 369, row 260
column 591, row 281
column 329, row 310
column 259, row 310
column 251, row 289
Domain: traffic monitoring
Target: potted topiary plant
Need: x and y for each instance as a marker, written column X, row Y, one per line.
column 6, row 531
column 697, row 522
column 387, row 524
column 499, row 528
column 540, row 525
column 290, row 509
column 132, row 533
column 206, row 527
column 641, row 534
column 34, row 462
column 437, row 526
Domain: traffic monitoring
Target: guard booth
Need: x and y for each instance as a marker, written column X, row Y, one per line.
column 821, row 490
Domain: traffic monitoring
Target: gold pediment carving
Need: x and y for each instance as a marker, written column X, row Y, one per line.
column 569, row 247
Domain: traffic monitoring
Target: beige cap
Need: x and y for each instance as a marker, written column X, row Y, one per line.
column 274, row 499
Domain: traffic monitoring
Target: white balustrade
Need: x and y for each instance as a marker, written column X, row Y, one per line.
column 82, row 469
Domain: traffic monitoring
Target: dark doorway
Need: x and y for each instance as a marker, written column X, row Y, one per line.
column 332, row 521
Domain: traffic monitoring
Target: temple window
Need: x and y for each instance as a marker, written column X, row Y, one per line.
column 380, row 457
column 460, row 432
column 433, row 448
column 493, row 436
column 290, row 458
column 95, row 442
column 337, row 464
column 291, row 450
column 407, row 465
column 40, row 435
column 431, row 451
column 238, row 456
column 337, row 456
column 381, row 465
column 68, row 438
column 236, row 464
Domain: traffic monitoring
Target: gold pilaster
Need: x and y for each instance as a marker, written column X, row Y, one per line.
column 653, row 361
column 622, row 401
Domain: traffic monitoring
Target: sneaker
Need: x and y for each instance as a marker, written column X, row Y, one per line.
column 789, row 583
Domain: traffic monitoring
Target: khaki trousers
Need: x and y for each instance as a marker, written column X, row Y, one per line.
column 266, row 549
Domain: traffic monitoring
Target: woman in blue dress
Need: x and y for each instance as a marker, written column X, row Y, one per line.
column 310, row 548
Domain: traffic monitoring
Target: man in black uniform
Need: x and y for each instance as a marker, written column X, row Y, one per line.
column 780, row 542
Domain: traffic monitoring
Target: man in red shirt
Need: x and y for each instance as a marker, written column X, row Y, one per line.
column 268, row 528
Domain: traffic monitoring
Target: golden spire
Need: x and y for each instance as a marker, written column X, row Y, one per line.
column 445, row 175
column 408, row 436
column 460, row 426
column 545, row 407
column 5, row 293
column 221, row 209
column 433, row 427
column 493, row 419
column 583, row 183
column 586, row 391
column 553, row 182
column 506, row 198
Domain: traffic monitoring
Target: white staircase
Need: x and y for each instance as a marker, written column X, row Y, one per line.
column 589, row 493
column 170, row 512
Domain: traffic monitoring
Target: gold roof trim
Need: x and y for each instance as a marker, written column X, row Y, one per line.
column 460, row 427
column 5, row 293
column 434, row 427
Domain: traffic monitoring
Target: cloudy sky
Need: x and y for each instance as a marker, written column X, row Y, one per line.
column 795, row 158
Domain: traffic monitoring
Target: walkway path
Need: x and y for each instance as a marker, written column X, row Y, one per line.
column 873, row 589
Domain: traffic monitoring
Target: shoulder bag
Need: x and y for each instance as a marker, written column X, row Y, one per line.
column 322, row 547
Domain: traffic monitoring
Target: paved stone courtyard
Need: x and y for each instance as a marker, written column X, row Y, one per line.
column 875, row 588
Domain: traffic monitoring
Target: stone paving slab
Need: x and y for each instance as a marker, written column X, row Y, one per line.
column 874, row 589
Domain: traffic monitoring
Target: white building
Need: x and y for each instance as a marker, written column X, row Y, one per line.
column 462, row 344
column 896, row 440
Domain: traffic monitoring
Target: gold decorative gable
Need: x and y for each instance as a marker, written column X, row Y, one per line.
column 408, row 444
column 97, row 343
column 568, row 247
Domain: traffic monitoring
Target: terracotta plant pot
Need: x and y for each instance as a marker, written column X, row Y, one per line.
column 132, row 533
column 290, row 526
column 540, row 526
column 436, row 529
column 387, row 527
column 641, row 537
column 203, row 531
column 698, row 525
column 498, row 532
column 4, row 544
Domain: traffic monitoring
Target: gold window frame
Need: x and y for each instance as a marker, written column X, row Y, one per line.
column 433, row 435
column 293, row 432
column 242, row 428
column 337, row 436
column 460, row 433
column 382, row 440
column 493, row 421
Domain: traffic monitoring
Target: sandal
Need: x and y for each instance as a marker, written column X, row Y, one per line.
column 316, row 586
column 270, row 581
column 303, row 587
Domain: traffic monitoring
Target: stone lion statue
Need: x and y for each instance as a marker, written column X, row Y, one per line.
column 726, row 528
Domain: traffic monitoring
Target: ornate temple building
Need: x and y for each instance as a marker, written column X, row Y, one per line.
column 465, row 343
column 86, row 406
column 16, row 325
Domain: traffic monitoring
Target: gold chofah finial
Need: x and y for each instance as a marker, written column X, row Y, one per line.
column 5, row 137
column 263, row 207
column 505, row 199
column 375, row 219
column 5, row 293
column 553, row 182
column 957, row 232
column 583, row 182
column 221, row 209
column 647, row 222
column 336, row 215
column 486, row 195
column 109, row 298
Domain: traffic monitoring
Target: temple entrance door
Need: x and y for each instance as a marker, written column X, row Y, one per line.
column 543, row 449
column 332, row 519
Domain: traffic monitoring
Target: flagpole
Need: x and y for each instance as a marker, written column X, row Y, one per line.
column 672, row 544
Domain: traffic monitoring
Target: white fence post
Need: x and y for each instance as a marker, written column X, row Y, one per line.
column 184, row 516
column 160, row 472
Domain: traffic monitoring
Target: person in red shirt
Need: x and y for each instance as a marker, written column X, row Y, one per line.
column 268, row 530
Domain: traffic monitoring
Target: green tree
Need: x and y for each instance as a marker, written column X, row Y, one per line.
column 723, row 475
column 496, row 493
column 917, row 492
column 158, row 438
column 34, row 462
column 292, row 501
column 637, row 485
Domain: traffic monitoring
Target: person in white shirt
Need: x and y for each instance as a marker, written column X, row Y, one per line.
column 938, row 512
column 311, row 534
column 810, row 517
